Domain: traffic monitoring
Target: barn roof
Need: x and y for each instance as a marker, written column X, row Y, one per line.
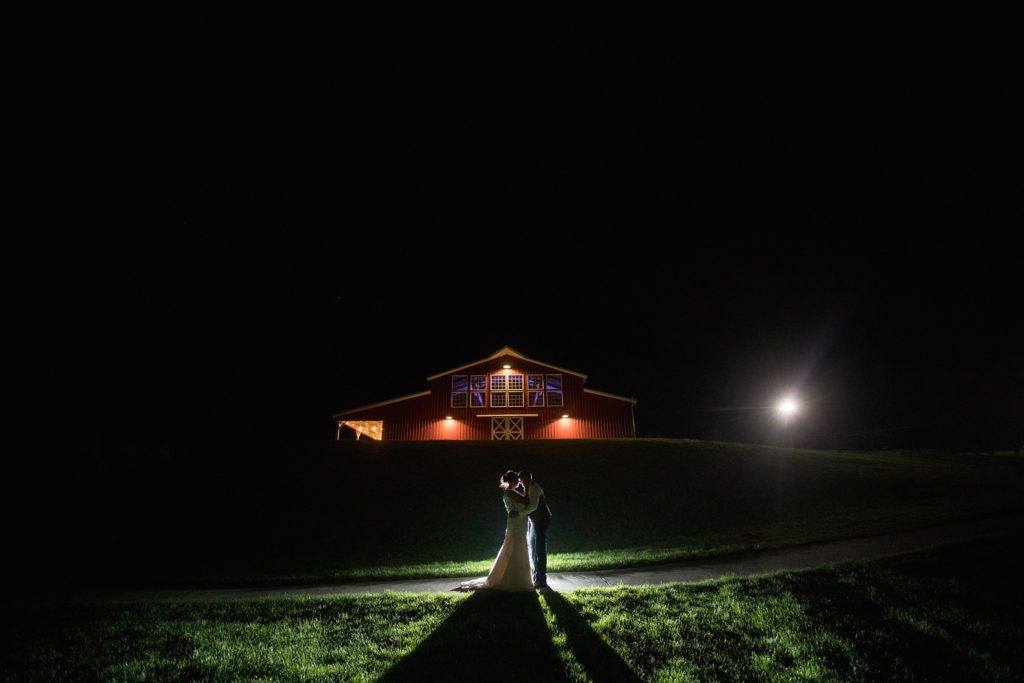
column 506, row 351
column 502, row 352
column 381, row 403
column 628, row 399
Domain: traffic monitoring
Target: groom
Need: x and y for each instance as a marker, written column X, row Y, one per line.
column 540, row 515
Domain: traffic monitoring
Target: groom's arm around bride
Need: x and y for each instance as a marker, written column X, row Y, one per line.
column 534, row 493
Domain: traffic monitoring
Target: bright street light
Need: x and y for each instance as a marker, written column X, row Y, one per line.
column 787, row 408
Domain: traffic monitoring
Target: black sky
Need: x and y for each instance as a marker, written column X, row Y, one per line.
column 263, row 239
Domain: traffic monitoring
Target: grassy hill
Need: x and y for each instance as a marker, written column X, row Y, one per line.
column 352, row 510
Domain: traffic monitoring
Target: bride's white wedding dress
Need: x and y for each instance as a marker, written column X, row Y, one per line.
column 511, row 569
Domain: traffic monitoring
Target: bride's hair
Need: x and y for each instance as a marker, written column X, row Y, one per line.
column 508, row 480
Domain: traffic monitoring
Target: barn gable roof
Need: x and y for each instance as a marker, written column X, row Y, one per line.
column 381, row 403
column 628, row 399
column 506, row 351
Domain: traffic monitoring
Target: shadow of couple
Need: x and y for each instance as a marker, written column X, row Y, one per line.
column 495, row 636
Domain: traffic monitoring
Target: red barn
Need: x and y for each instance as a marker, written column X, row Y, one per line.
column 503, row 396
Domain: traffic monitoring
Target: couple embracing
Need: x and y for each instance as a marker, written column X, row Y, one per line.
column 528, row 516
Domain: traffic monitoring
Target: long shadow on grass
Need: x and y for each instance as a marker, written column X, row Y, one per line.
column 600, row 661
column 492, row 636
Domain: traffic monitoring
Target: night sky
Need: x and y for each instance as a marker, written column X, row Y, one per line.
column 258, row 242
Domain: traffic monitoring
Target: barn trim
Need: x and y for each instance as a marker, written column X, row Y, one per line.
column 506, row 351
column 628, row 399
column 382, row 403
column 508, row 415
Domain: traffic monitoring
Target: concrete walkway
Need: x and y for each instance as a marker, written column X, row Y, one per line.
column 800, row 557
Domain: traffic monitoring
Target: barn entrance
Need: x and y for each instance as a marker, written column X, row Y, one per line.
column 371, row 428
column 506, row 429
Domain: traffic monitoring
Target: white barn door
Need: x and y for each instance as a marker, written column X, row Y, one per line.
column 506, row 429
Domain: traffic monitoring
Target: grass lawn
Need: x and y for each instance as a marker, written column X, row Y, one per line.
column 948, row 614
column 327, row 511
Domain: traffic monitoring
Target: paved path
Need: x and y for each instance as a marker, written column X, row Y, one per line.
column 800, row 557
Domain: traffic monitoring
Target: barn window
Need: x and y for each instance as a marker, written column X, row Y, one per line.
column 553, row 387
column 477, row 391
column 535, row 391
column 507, row 391
column 460, row 398
column 515, row 391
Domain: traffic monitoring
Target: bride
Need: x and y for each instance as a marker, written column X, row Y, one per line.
column 511, row 569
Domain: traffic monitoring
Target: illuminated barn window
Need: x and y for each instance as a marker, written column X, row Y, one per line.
column 507, row 391
column 477, row 391
column 460, row 384
column 535, row 391
column 553, row 387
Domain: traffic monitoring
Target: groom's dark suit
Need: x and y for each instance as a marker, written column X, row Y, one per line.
column 540, row 516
